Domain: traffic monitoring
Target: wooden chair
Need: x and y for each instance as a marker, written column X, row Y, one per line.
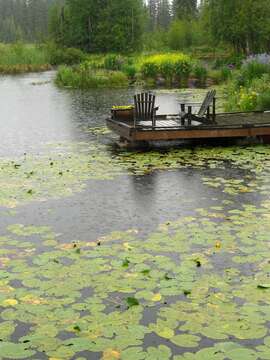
column 204, row 115
column 144, row 108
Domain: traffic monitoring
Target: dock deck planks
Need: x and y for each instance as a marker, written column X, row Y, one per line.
column 168, row 127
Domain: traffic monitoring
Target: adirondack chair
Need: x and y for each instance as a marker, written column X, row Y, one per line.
column 204, row 115
column 144, row 108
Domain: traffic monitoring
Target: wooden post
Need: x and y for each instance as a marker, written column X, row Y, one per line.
column 189, row 114
column 183, row 111
column 214, row 109
column 208, row 113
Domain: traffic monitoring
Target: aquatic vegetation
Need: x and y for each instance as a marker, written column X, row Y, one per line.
column 64, row 169
column 169, row 66
column 194, row 289
column 83, row 77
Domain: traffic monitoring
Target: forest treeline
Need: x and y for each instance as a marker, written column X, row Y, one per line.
column 134, row 25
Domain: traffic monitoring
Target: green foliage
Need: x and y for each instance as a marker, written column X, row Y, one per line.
column 83, row 77
column 200, row 72
column 67, row 56
column 98, row 26
column 255, row 95
column 244, row 24
column 24, row 20
column 180, row 35
column 251, row 71
column 113, row 62
column 130, row 71
column 170, row 66
column 17, row 58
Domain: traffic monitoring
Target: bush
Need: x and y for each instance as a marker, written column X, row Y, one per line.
column 64, row 56
column 83, row 77
column 263, row 102
column 169, row 66
column 250, row 71
column 256, row 96
column 113, row 62
column 200, row 72
column 130, row 71
column 149, row 69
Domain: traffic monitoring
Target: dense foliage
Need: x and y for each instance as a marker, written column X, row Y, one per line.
column 24, row 19
column 249, row 88
column 244, row 24
column 98, row 25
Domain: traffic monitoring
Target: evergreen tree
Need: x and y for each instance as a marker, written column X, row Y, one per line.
column 163, row 14
column 244, row 24
column 184, row 9
column 102, row 25
column 153, row 14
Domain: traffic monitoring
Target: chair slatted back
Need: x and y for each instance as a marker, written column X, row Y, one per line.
column 144, row 106
column 209, row 98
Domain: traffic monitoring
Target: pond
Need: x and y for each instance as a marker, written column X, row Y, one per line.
column 113, row 254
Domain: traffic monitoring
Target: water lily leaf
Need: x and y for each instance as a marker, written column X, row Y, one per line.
column 15, row 351
column 131, row 301
column 186, row 340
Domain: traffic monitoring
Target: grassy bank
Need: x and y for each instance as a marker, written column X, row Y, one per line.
column 170, row 69
column 21, row 58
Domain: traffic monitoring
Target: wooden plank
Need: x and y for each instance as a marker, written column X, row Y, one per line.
column 120, row 129
column 137, row 135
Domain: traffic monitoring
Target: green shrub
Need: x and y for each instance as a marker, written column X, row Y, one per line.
column 200, row 72
column 83, row 77
column 263, row 102
column 130, row 71
column 65, row 56
column 225, row 73
column 170, row 66
column 254, row 96
column 113, row 62
column 149, row 70
column 167, row 70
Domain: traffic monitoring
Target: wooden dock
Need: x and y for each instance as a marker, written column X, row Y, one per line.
column 168, row 127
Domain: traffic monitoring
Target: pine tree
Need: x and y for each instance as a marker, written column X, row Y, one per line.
column 184, row 9
column 163, row 14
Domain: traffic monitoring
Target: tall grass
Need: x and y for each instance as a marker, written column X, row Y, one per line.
column 17, row 58
column 83, row 77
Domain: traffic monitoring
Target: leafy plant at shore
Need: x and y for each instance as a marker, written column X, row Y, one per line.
column 169, row 66
column 83, row 77
column 249, row 88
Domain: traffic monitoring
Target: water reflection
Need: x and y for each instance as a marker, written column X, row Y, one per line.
column 34, row 111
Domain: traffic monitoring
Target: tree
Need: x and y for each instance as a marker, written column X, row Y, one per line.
column 244, row 24
column 100, row 25
column 184, row 9
column 163, row 14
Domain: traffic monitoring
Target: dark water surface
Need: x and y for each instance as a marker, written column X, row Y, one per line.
column 191, row 224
